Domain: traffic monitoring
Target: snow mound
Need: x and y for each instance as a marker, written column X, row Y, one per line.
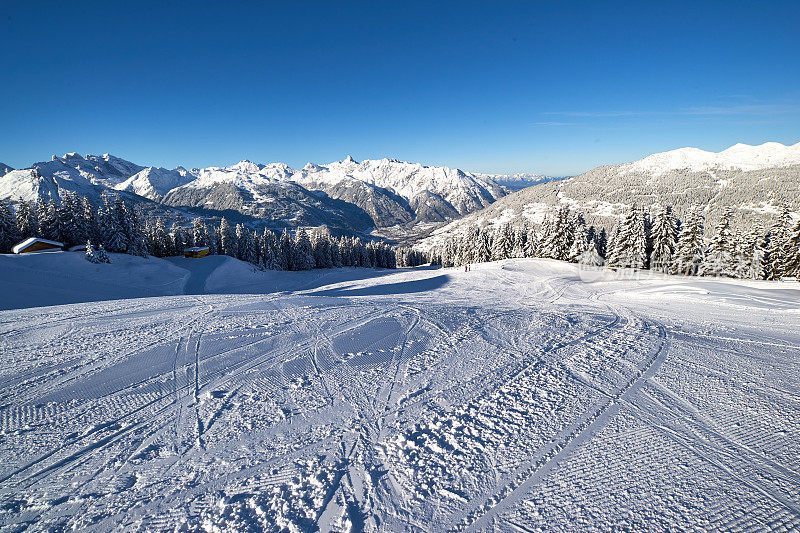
column 55, row 278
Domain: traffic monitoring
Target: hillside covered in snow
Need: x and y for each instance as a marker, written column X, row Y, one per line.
column 753, row 181
column 523, row 395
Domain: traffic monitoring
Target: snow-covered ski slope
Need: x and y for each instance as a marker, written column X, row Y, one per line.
column 513, row 397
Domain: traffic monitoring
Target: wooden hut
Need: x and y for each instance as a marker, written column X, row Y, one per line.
column 196, row 251
column 35, row 244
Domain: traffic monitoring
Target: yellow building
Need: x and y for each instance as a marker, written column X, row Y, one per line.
column 197, row 251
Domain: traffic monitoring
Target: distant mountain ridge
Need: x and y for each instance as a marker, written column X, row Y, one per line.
column 753, row 181
column 384, row 193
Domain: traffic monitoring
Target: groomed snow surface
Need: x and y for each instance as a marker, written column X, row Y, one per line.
column 523, row 395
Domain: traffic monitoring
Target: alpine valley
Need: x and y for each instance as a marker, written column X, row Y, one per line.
column 386, row 196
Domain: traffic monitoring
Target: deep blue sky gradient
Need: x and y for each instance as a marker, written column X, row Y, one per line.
column 549, row 87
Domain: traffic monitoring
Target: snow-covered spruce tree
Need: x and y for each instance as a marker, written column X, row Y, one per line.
column 483, row 248
column 756, row 270
column 739, row 254
column 344, row 252
column 580, row 243
column 26, row 220
column 636, row 252
column 601, row 242
column 241, row 241
column 665, row 237
column 445, row 254
column 767, row 263
column 68, row 222
column 622, row 243
column 520, row 241
column 197, row 233
column 689, row 251
column 252, row 250
column 156, row 233
column 372, row 254
column 532, row 243
column 364, row 259
column 8, row 228
column 590, row 256
column 791, row 266
column 113, row 235
column 303, row 254
column 321, row 243
column 179, row 239
column 101, row 254
column 91, row 256
column 90, row 215
column 336, row 256
column 227, row 238
column 718, row 259
column 502, row 243
column 558, row 241
column 137, row 242
column 79, row 232
column 47, row 212
column 612, row 246
column 781, row 233
column 748, row 254
column 269, row 249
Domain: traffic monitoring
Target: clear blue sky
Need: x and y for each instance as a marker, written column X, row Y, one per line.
column 550, row 87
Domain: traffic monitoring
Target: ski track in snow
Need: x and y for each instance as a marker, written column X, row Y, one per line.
column 512, row 397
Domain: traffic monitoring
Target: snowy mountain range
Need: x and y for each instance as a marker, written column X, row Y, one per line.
column 754, row 181
column 738, row 157
column 346, row 194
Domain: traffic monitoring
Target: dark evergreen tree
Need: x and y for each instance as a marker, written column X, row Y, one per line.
column 269, row 250
column 8, row 228
column 285, row 251
column 26, row 220
column 227, row 239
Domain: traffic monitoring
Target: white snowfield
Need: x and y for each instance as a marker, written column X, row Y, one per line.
column 738, row 157
column 514, row 397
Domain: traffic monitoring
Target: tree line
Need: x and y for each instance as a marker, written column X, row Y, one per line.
column 655, row 240
column 115, row 226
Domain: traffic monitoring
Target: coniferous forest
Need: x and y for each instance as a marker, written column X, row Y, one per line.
column 115, row 226
column 642, row 240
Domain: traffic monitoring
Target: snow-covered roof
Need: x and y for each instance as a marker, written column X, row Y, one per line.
column 31, row 240
column 195, row 249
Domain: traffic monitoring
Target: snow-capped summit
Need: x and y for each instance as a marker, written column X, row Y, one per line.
column 462, row 191
column 154, row 183
column 88, row 175
column 737, row 157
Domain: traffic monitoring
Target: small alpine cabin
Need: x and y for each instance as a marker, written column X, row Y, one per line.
column 35, row 244
column 196, row 251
